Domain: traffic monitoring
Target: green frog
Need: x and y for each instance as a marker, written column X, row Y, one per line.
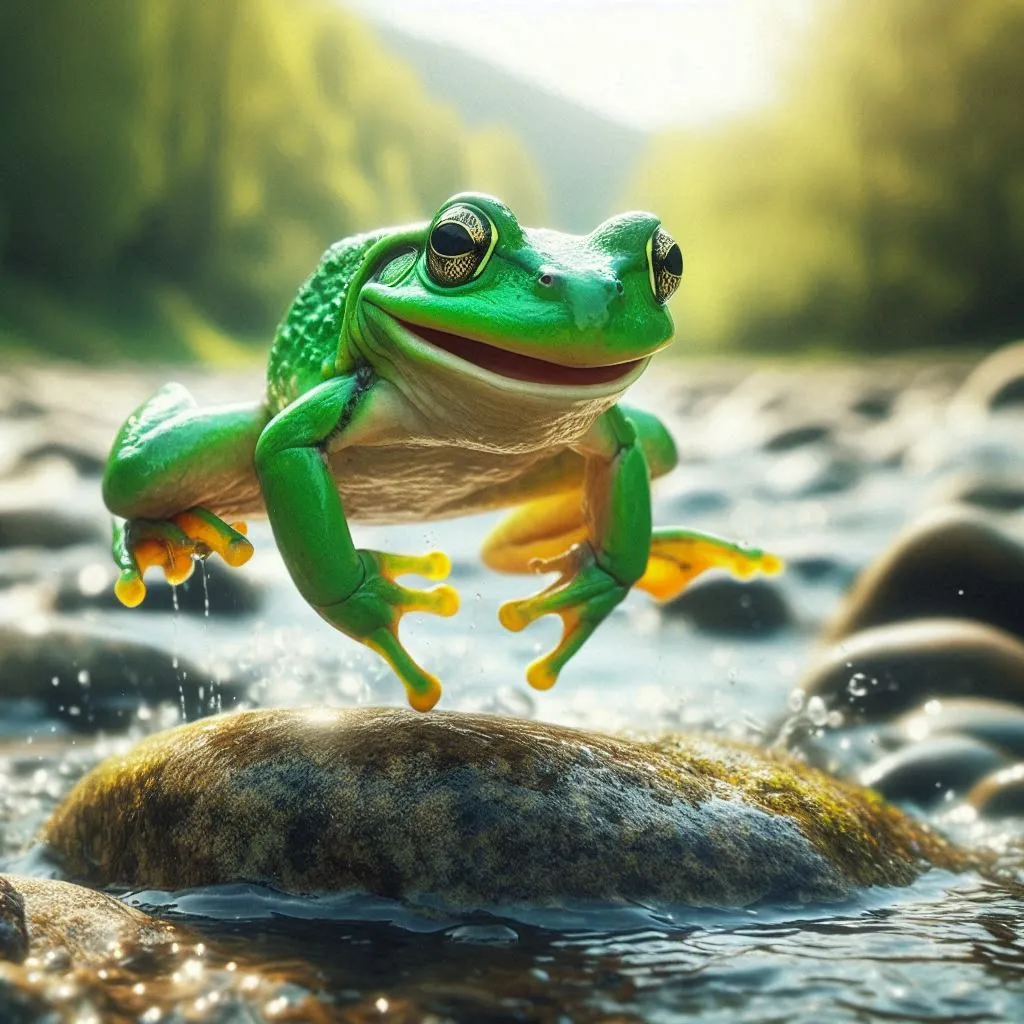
column 440, row 369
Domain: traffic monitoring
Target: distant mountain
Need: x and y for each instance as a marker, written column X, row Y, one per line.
column 586, row 159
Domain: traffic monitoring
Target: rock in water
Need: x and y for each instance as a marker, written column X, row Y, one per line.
column 87, row 926
column 13, row 930
column 951, row 564
column 477, row 810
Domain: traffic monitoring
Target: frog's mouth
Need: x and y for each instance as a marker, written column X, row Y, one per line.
column 516, row 366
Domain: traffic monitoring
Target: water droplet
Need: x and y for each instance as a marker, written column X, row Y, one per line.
column 858, row 685
column 817, row 712
column 483, row 933
column 796, row 700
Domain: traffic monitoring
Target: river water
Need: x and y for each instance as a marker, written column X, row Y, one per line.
column 859, row 452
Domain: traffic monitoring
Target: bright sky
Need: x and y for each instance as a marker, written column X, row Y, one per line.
column 649, row 63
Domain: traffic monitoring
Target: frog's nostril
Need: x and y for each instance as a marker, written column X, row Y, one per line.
column 619, row 287
column 547, row 279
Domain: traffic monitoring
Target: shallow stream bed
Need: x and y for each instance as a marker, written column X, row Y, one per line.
column 824, row 466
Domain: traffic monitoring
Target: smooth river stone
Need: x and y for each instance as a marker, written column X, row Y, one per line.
column 103, row 678
column 995, row 722
column 472, row 810
column 952, row 564
column 996, row 383
column 890, row 669
column 1001, row 794
column 13, row 930
column 924, row 773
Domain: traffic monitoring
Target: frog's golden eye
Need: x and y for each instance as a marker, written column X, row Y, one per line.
column 665, row 261
column 459, row 245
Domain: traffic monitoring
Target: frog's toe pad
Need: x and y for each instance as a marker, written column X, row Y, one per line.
column 208, row 532
column 129, row 589
column 173, row 545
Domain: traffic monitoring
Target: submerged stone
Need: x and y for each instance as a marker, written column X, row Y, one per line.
column 474, row 810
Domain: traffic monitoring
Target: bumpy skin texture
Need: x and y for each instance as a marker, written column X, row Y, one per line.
column 430, row 371
column 478, row 810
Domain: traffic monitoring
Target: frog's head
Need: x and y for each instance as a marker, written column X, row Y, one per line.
column 521, row 309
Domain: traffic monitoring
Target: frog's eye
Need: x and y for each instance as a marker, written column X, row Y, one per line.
column 459, row 245
column 665, row 261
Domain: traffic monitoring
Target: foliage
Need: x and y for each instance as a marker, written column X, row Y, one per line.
column 200, row 154
column 880, row 203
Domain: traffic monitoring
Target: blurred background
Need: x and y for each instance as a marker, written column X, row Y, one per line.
column 841, row 174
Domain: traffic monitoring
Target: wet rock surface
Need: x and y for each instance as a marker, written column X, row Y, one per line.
column 952, row 564
column 475, row 810
column 85, row 955
column 45, row 528
column 880, row 672
column 997, row 383
column 223, row 592
column 84, row 925
column 95, row 681
column 13, row 930
column 1000, row 794
column 932, row 770
column 997, row 723
column 733, row 607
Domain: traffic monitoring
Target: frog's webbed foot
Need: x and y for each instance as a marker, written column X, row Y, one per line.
column 173, row 544
column 372, row 613
column 678, row 556
column 583, row 596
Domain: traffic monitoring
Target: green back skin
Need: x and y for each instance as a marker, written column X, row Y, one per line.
column 307, row 341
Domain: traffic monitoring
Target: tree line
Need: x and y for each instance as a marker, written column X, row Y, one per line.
column 878, row 204
column 198, row 155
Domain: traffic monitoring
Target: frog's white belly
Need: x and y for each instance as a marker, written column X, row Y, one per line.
column 409, row 483
column 412, row 483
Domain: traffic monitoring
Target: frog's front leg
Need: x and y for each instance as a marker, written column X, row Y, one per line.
column 171, row 468
column 596, row 573
column 354, row 590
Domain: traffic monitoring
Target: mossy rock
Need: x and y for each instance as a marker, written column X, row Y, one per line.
column 474, row 810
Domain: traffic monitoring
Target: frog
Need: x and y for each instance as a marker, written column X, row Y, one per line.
column 460, row 365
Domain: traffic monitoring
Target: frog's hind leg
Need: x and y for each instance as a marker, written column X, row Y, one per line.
column 678, row 556
column 535, row 532
column 170, row 460
column 539, row 531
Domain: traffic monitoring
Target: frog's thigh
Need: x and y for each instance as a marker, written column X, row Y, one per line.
column 171, row 455
column 546, row 527
column 542, row 528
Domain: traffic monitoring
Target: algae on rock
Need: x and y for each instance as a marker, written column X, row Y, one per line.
column 477, row 810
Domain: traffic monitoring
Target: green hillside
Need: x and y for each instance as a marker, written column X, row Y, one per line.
column 880, row 205
column 171, row 170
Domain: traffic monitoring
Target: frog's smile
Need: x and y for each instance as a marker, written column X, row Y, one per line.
column 516, row 366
